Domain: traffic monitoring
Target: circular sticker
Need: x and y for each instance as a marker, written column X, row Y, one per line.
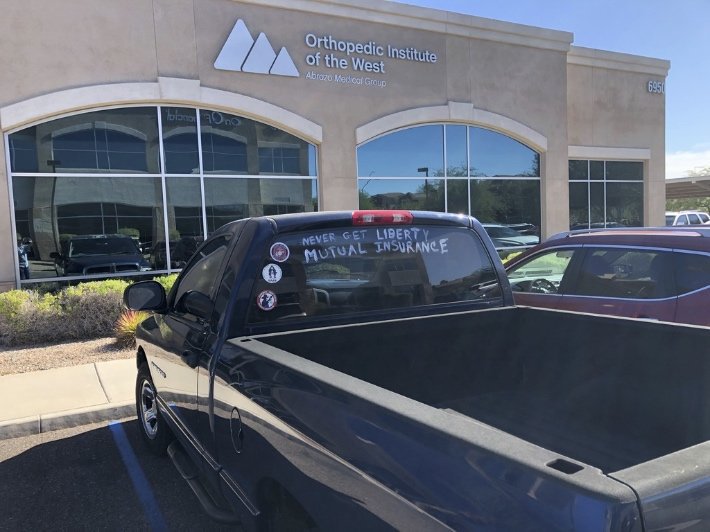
column 266, row 300
column 279, row 252
column 272, row 273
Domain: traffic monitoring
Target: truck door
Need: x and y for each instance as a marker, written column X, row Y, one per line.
column 187, row 329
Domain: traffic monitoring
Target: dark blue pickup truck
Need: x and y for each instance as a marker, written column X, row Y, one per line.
column 368, row 370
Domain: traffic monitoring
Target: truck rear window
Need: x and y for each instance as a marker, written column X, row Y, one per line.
column 364, row 269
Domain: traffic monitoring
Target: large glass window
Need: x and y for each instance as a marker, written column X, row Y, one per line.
column 115, row 141
column 95, row 181
column 605, row 194
column 455, row 168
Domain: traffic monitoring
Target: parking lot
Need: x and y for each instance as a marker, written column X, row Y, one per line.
column 96, row 477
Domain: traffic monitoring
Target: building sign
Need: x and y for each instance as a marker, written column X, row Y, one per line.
column 345, row 61
column 242, row 54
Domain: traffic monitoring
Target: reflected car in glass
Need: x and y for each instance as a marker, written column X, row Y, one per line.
column 180, row 252
column 96, row 254
column 653, row 273
column 505, row 237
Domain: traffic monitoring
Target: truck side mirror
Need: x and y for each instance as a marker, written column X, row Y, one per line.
column 197, row 304
column 145, row 295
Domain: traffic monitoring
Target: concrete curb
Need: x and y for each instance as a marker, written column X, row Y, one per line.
column 15, row 428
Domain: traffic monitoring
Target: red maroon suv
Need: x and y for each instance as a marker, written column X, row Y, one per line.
column 654, row 273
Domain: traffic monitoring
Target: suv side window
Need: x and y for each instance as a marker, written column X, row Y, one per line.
column 694, row 219
column 626, row 274
column 682, row 220
column 201, row 272
column 542, row 274
column 692, row 272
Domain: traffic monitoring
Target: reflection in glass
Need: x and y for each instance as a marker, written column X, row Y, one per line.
column 184, row 207
column 596, row 170
column 456, row 152
column 57, row 210
column 457, row 196
column 596, row 205
column 232, row 199
column 579, row 205
column 114, row 140
column 578, row 170
column 416, row 151
column 506, row 201
column 624, row 171
column 58, row 216
column 609, row 202
column 494, row 154
column 234, row 145
column 624, row 204
column 413, row 194
column 180, row 140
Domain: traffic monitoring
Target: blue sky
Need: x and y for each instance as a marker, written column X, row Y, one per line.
column 665, row 29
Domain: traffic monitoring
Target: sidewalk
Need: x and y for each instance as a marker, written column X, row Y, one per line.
column 42, row 401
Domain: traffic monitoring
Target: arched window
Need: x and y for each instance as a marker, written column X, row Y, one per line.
column 161, row 177
column 456, row 168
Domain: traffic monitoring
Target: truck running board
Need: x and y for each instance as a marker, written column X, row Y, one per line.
column 187, row 470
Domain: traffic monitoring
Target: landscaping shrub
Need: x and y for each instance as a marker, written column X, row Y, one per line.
column 82, row 312
column 126, row 325
column 29, row 317
column 167, row 281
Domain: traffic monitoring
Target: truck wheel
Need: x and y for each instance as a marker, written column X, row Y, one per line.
column 153, row 428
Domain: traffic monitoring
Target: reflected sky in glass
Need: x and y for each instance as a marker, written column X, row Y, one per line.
column 456, row 152
column 494, row 154
column 403, row 153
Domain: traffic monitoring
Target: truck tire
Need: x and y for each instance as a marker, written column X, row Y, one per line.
column 153, row 428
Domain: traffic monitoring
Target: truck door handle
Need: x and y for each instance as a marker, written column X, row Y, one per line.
column 190, row 358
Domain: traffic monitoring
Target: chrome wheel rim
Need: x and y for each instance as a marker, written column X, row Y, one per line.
column 149, row 410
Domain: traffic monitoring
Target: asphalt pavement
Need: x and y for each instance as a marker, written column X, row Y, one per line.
column 43, row 401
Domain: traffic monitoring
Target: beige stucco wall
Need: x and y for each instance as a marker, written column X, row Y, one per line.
column 609, row 106
column 513, row 78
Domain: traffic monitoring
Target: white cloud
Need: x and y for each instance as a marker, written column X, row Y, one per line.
column 681, row 163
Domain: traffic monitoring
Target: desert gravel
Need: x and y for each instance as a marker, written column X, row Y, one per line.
column 35, row 358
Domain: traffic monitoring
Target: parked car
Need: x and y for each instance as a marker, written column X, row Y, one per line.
column 657, row 273
column 180, row 251
column 89, row 254
column 687, row 218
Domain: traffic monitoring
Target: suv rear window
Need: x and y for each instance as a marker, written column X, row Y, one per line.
column 362, row 269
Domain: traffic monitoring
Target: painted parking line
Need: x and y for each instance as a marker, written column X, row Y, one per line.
column 138, row 478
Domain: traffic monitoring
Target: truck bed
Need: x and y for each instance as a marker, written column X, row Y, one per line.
column 608, row 392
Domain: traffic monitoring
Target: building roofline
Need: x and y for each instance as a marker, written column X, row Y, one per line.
column 591, row 57
column 435, row 20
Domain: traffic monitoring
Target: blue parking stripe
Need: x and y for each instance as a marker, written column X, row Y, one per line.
column 140, row 482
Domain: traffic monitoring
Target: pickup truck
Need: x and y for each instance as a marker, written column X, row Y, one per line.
column 368, row 370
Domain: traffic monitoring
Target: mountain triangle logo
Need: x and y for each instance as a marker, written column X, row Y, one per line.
column 241, row 53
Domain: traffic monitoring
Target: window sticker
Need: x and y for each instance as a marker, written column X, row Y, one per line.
column 272, row 273
column 279, row 252
column 266, row 300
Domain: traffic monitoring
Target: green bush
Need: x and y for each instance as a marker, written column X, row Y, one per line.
column 29, row 317
column 167, row 281
column 108, row 286
column 82, row 312
column 12, row 302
